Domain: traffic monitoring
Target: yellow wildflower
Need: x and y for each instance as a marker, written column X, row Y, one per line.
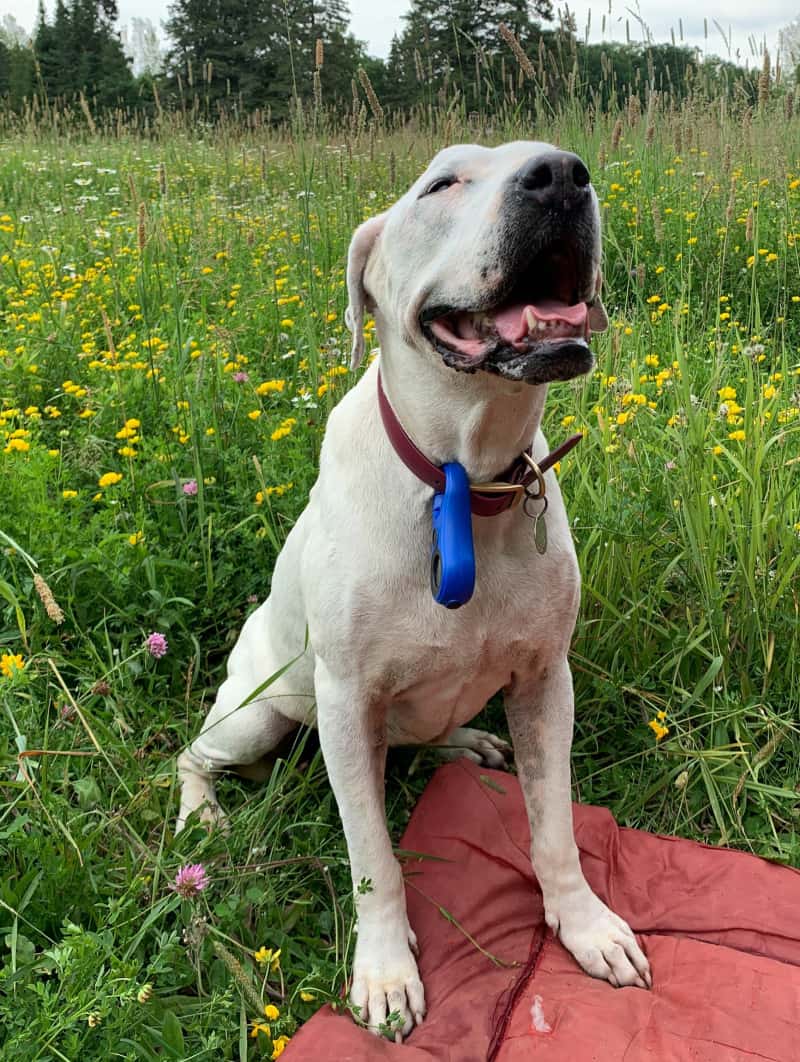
column 18, row 445
column 108, row 479
column 278, row 1046
column 284, row 429
column 658, row 728
column 269, row 386
column 11, row 663
column 268, row 957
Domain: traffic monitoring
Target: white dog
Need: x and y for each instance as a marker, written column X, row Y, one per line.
column 484, row 281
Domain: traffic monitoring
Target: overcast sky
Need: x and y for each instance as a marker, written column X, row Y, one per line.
column 746, row 22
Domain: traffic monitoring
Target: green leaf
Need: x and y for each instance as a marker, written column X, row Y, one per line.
column 173, row 1034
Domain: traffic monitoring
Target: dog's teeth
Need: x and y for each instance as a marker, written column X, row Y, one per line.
column 530, row 319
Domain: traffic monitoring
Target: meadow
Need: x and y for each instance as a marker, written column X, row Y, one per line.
column 171, row 341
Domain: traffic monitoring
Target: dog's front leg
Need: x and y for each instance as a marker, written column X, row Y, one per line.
column 352, row 733
column 540, row 711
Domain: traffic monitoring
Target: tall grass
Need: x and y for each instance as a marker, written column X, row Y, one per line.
column 171, row 310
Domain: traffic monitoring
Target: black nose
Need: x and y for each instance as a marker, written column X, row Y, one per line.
column 558, row 180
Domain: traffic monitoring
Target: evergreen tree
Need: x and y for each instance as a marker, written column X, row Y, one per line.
column 260, row 53
column 5, row 68
column 449, row 45
column 50, row 51
column 17, row 70
column 81, row 52
column 306, row 22
column 222, row 46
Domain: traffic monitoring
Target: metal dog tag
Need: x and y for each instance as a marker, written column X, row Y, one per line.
column 540, row 533
column 539, row 524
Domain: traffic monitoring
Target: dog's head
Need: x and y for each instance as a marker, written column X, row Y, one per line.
column 490, row 261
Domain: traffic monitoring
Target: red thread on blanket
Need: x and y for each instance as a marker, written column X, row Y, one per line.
column 507, row 1002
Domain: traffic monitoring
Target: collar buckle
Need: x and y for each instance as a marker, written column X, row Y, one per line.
column 517, row 490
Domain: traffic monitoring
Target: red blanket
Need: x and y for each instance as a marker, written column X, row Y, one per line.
column 721, row 930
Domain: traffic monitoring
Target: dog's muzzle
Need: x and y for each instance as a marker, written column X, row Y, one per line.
column 545, row 362
column 535, row 323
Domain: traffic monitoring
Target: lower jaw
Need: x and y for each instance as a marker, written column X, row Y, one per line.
column 547, row 361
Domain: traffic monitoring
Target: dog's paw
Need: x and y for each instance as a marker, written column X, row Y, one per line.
column 386, row 992
column 211, row 815
column 198, row 793
column 601, row 941
column 483, row 748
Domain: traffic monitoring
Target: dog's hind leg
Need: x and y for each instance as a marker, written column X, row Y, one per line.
column 483, row 748
column 246, row 722
column 234, row 735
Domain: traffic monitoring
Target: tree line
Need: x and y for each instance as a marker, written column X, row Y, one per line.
column 259, row 55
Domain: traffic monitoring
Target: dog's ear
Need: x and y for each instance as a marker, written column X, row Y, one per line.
column 361, row 246
column 598, row 318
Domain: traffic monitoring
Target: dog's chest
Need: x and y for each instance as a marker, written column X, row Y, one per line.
column 447, row 689
column 440, row 667
column 442, row 677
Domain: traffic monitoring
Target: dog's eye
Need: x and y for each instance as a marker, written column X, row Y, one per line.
column 438, row 185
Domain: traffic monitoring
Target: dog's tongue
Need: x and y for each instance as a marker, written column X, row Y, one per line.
column 512, row 321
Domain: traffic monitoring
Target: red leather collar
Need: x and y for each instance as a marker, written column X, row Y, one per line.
column 483, row 503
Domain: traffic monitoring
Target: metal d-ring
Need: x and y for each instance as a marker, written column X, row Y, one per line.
column 534, row 498
column 529, row 461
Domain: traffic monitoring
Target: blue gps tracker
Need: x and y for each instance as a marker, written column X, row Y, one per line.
column 452, row 551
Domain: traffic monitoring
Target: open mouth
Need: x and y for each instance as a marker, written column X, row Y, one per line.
column 538, row 331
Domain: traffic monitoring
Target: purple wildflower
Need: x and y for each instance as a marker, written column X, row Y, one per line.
column 241, row 377
column 190, row 487
column 156, row 645
column 190, row 880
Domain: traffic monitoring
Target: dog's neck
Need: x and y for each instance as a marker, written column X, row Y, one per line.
column 480, row 420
